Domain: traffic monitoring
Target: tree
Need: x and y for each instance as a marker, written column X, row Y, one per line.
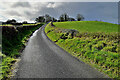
column 61, row 18
column 79, row 17
column 40, row 19
column 64, row 17
column 11, row 21
column 71, row 19
column 47, row 18
column 53, row 19
column 24, row 22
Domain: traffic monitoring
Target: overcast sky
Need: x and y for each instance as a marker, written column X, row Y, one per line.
column 21, row 11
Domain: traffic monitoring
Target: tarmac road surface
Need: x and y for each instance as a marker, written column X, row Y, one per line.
column 42, row 58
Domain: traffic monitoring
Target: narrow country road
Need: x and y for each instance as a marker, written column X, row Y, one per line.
column 44, row 59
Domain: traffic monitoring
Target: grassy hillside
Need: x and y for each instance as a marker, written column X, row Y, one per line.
column 93, row 42
column 88, row 26
column 13, row 41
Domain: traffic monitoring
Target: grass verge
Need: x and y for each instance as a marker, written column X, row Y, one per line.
column 13, row 41
column 98, row 48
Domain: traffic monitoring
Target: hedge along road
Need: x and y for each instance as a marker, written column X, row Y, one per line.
column 44, row 59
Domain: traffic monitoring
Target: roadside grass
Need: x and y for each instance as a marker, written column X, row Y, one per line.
column 6, row 25
column 24, row 24
column 13, row 42
column 27, row 24
column 31, row 24
column 6, row 65
column 98, row 48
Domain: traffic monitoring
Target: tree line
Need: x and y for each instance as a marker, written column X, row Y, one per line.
column 47, row 18
column 14, row 22
column 62, row 18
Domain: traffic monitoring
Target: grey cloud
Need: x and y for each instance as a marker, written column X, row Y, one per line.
column 28, row 13
column 13, row 13
column 21, row 4
column 93, row 10
column 42, row 10
column 90, row 10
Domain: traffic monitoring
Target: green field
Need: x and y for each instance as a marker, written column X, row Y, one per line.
column 88, row 26
column 93, row 42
